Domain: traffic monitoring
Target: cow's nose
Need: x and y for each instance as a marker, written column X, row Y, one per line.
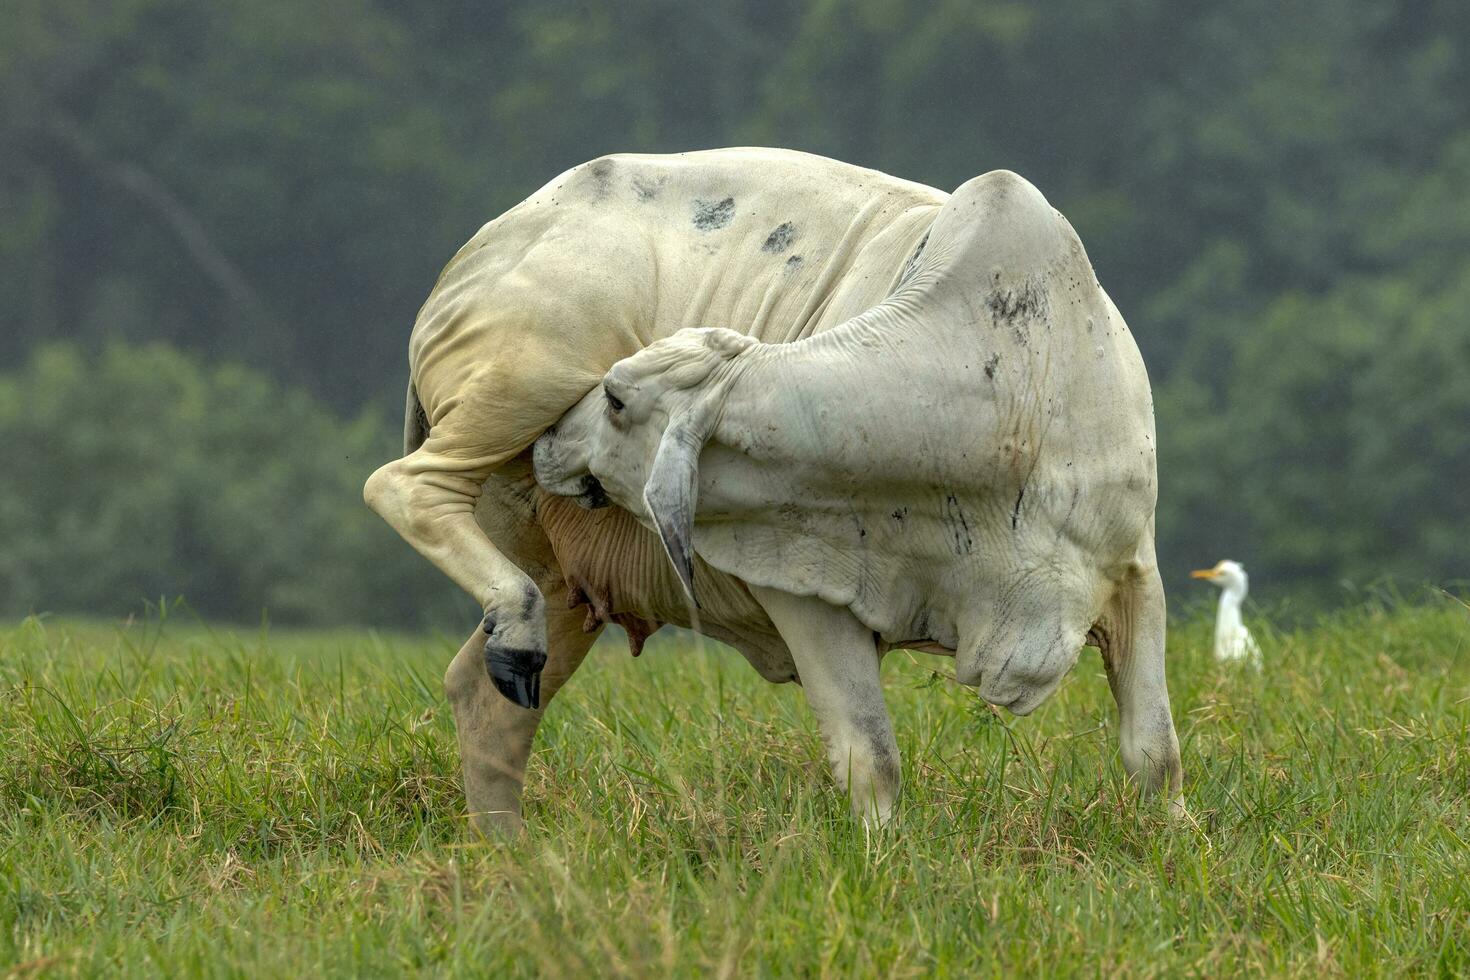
column 593, row 496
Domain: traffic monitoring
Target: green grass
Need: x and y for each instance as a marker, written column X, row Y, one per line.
column 176, row 800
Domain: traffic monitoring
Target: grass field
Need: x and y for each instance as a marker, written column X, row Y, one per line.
column 177, row 800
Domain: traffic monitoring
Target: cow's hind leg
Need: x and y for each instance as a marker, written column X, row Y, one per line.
column 429, row 498
column 1130, row 635
column 837, row 660
column 495, row 735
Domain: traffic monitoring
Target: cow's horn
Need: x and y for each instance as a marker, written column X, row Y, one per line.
column 669, row 496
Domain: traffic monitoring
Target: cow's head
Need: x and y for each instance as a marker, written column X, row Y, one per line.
column 635, row 439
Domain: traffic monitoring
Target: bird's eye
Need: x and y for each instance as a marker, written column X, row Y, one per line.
column 613, row 401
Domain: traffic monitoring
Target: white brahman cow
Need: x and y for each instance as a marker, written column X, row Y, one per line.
column 969, row 400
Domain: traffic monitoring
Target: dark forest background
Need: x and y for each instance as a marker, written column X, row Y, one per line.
column 217, row 221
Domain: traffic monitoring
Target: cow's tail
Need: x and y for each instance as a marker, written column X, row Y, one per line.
column 415, row 422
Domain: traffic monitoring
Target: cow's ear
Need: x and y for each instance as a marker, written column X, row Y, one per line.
column 672, row 488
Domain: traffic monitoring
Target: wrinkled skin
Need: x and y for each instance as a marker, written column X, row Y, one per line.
column 968, row 465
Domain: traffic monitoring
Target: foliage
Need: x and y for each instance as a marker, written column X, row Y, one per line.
column 1275, row 196
column 144, row 473
column 175, row 800
column 1333, row 447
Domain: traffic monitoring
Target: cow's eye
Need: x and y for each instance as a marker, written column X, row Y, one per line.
column 613, row 401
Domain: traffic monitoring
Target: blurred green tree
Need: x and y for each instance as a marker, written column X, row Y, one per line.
column 142, row 473
column 1338, row 450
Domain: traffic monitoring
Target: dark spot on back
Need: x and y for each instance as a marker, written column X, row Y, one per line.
column 601, row 173
column 647, row 188
column 1016, row 304
column 990, row 364
column 1019, row 308
column 780, row 238
column 793, row 263
column 711, row 216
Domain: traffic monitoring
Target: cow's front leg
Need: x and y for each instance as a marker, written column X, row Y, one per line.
column 1130, row 635
column 429, row 498
column 837, row 660
column 495, row 735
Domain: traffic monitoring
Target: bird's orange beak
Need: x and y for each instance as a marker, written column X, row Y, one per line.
column 1202, row 573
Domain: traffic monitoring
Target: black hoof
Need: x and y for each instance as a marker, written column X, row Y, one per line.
column 516, row 673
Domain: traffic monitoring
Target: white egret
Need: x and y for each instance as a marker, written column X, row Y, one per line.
column 1232, row 640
